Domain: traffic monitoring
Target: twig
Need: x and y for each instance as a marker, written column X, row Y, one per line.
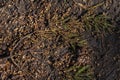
column 11, row 53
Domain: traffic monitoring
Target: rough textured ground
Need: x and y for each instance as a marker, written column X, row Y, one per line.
column 35, row 46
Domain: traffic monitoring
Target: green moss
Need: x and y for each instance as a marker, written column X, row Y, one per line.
column 98, row 23
column 80, row 73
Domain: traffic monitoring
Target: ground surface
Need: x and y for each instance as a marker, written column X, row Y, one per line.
column 46, row 40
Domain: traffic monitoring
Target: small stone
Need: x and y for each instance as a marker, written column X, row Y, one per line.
column 32, row 0
column 4, row 47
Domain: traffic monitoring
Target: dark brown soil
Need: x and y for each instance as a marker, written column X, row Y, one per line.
column 31, row 47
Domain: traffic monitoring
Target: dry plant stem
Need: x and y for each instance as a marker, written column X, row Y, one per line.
column 89, row 8
column 11, row 53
